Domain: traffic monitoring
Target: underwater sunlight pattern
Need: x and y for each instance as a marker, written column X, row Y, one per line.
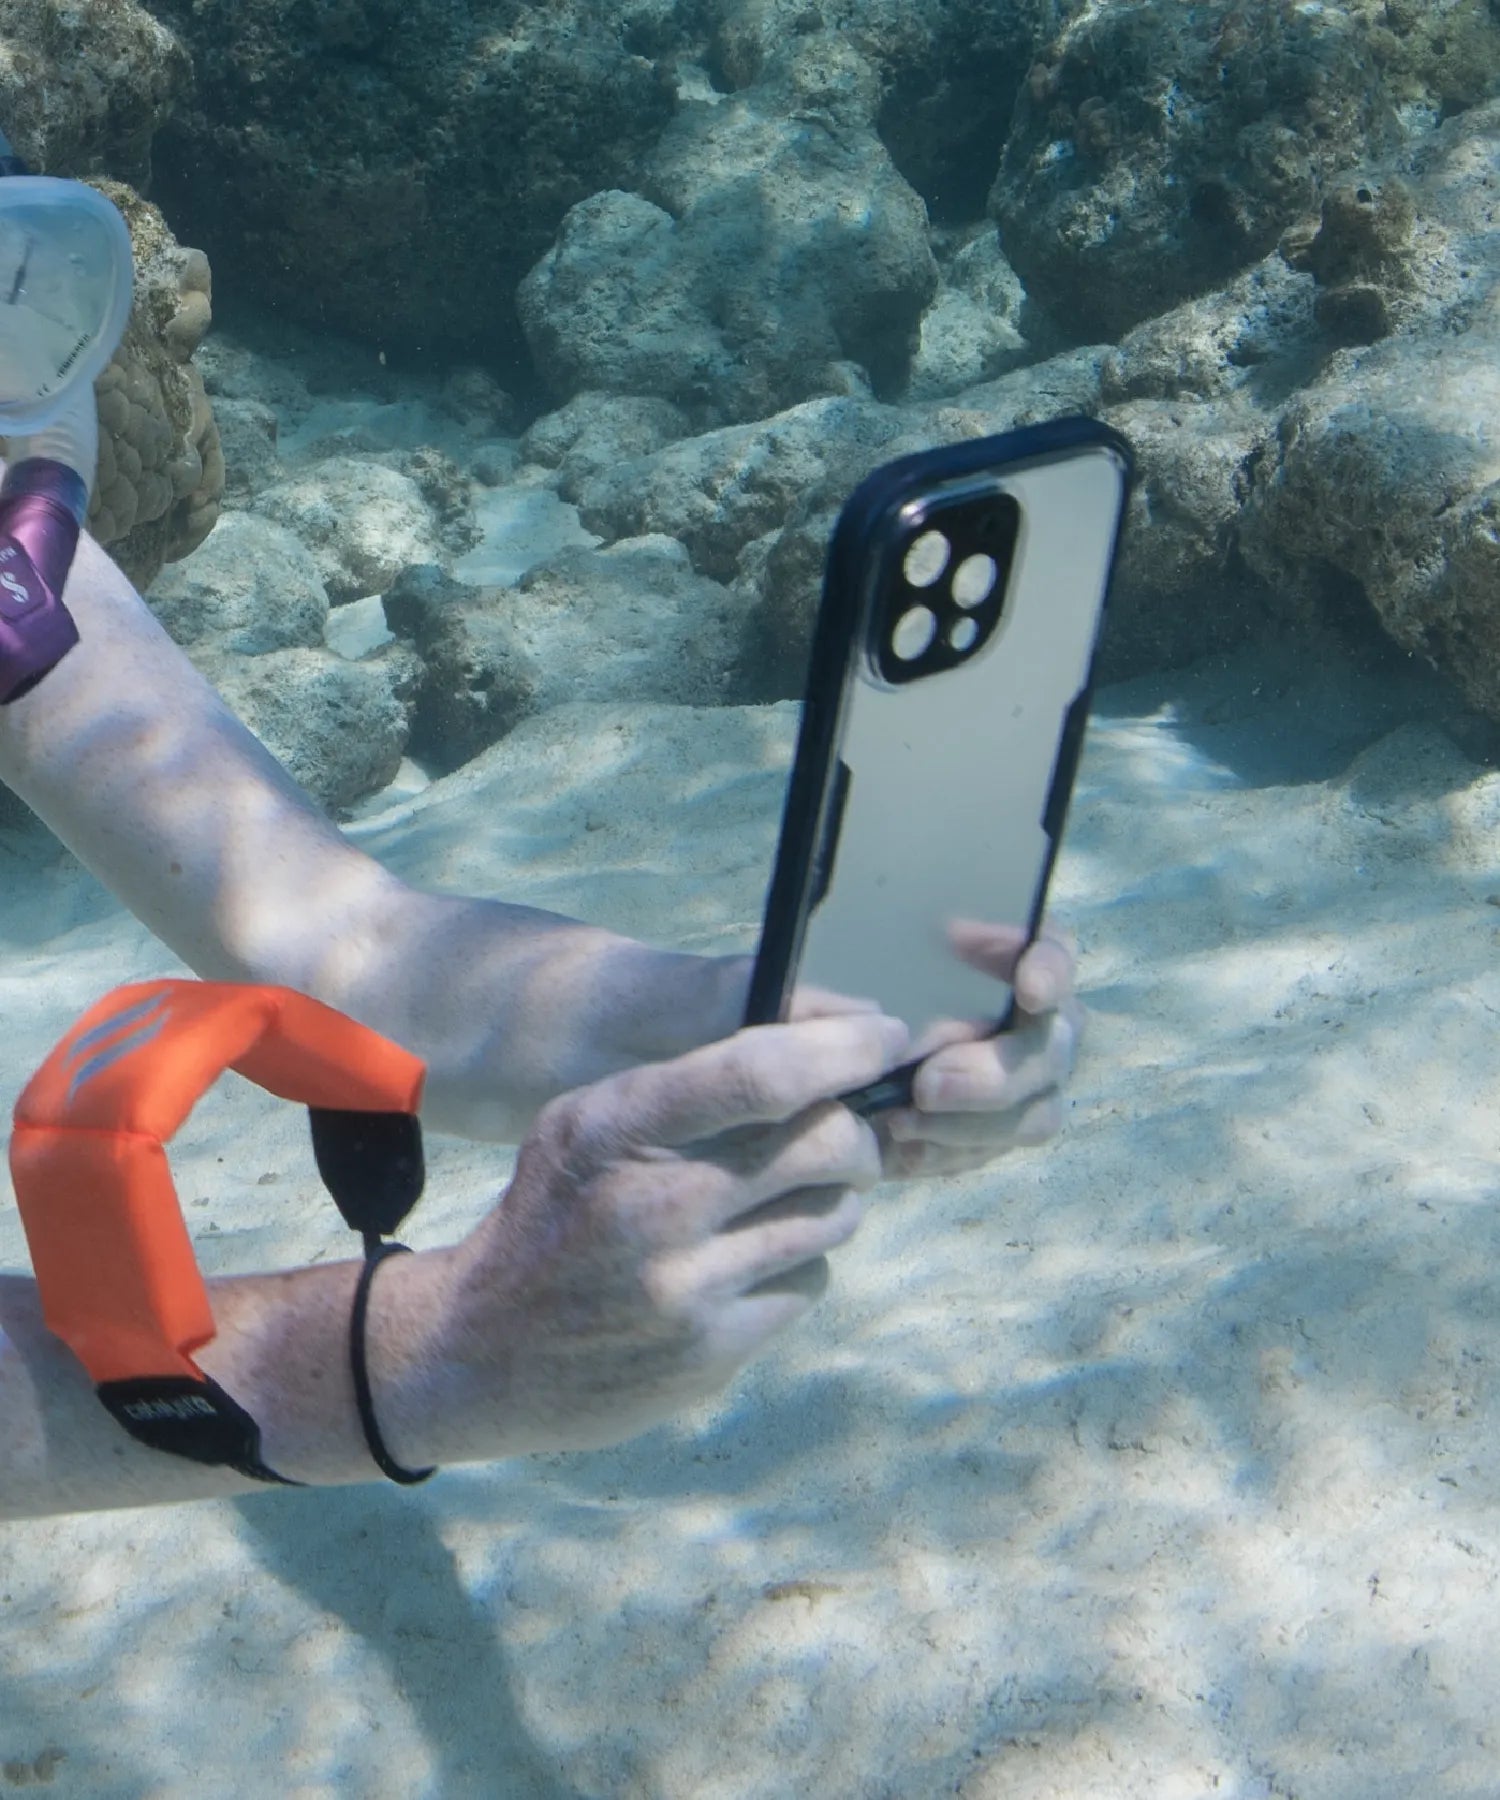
column 495, row 375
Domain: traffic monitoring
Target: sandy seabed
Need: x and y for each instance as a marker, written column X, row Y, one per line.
column 1161, row 1463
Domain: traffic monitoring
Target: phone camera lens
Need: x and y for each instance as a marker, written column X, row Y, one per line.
column 974, row 581
column 926, row 558
column 913, row 634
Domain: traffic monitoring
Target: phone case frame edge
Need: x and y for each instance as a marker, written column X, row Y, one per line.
column 832, row 668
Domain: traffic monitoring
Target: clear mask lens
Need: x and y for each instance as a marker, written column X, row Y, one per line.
column 65, row 292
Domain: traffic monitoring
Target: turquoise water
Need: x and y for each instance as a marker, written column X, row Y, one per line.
column 547, row 341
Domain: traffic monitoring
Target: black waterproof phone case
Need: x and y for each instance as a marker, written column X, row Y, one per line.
column 944, row 712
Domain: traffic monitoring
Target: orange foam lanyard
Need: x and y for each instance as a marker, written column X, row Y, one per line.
column 114, row 1264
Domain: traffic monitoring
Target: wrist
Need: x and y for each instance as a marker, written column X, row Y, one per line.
column 417, row 1366
column 680, row 1002
column 282, row 1351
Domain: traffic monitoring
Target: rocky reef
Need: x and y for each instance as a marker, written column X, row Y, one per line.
column 552, row 313
column 83, row 89
column 397, row 169
column 161, row 468
column 85, row 85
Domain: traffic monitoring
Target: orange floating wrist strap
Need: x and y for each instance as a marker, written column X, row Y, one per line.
column 115, row 1269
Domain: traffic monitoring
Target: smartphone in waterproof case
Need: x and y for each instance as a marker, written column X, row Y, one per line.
column 945, row 708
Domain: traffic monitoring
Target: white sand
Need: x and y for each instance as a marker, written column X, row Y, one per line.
column 1161, row 1463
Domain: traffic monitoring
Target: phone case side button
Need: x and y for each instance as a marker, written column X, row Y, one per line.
column 828, row 843
column 1068, row 746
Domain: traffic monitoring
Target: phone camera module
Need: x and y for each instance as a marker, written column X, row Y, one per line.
column 944, row 592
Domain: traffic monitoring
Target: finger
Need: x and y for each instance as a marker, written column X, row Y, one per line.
column 1045, row 976
column 739, row 1175
column 778, row 1239
column 822, row 1003
column 992, row 949
column 1042, row 971
column 1035, row 1122
column 826, row 1145
column 1000, row 1072
column 762, row 1075
column 740, row 1329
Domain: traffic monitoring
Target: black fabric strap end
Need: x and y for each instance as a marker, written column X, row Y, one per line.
column 371, row 1162
column 191, row 1417
column 375, row 1255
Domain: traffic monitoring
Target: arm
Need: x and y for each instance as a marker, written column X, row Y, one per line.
column 661, row 1227
column 140, row 768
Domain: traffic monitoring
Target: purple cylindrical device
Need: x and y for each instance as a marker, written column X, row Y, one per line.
column 65, row 295
column 41, row 505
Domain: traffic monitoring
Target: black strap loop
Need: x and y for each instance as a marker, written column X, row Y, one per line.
column 375, row 1255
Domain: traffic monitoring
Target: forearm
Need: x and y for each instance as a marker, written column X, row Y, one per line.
column 140, row 768
column 658, row 1230
column 282, row 1351
column 509, row 1014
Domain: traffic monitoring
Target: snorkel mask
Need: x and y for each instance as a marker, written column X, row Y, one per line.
column 66, row 282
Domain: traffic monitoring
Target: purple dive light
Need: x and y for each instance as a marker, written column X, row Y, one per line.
column 66, row 282
column 41, row 503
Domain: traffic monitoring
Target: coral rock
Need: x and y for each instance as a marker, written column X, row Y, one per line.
column 161, row 469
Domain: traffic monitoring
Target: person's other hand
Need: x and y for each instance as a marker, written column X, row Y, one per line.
column 662, row 1225
column 977, row 1095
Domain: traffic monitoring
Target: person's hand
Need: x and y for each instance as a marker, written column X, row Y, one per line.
column 662, row 1225
column 978, row 1096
